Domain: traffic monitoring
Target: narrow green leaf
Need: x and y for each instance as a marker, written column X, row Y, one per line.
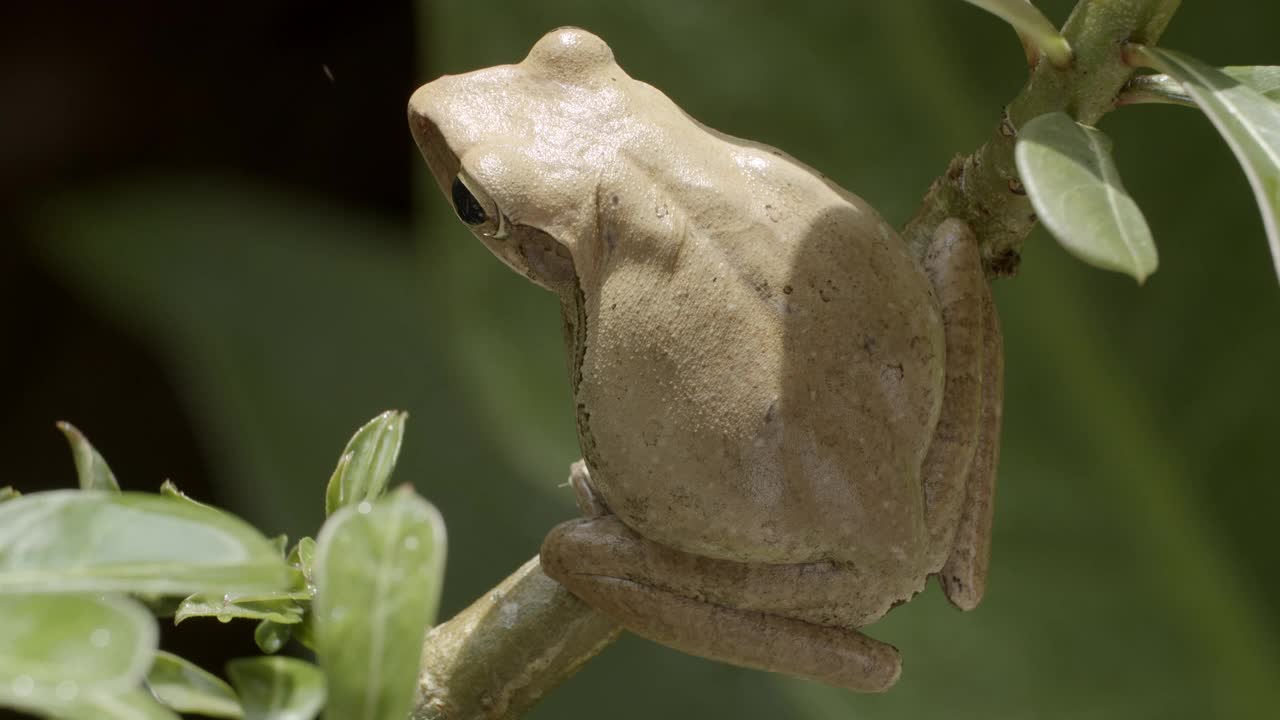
column 271, row 636
column 1246, row 119
column 1162, row 88
column 8, row 493
column 170, row 490
column 1032, row 25
column 1075, row 188
column 303, row 554
column 281, row 607
column 305, row 631
column 281, row 543
column 302, row 557
column 378, row 572
column 89, row 541
column 188, row 688
column 280, row 688
column 1265, row 79
column 56, row 650
column 90, row 467
column 367, row 462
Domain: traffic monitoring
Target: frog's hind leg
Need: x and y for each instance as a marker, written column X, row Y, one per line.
column 964, row 576
column 954, row 266
column 676, row 599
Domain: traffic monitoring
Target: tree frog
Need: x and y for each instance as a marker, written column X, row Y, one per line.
column 788, row 421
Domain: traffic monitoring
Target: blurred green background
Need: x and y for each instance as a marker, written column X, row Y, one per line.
column 223, row 255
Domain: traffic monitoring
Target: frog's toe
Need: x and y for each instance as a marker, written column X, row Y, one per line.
column 590, row 502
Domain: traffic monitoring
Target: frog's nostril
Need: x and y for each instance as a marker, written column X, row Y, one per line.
column 466, row 204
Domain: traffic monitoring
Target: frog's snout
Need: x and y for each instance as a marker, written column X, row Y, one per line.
column 426, row 133
column 419, row 102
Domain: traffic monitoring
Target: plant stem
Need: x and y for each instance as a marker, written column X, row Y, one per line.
column 501, row 655
column 983, row 189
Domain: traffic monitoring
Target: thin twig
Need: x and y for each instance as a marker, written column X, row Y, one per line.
column 501, row 655
column 983, row 188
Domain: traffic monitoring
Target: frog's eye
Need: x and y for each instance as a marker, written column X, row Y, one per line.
column 476, row 208
column 467, row 205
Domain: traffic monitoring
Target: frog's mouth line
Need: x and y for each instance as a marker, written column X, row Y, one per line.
column 547, row 262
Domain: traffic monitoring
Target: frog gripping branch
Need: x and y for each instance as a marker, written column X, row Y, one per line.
column 776, row 460
column 817, row 383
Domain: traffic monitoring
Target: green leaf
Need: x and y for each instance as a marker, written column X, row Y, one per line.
column 279, row 688
column 305, row 632
column 271, row 636
column 302, row 557
column 1075, row 188
column 281, row 607
column 188, row 688
column 367, row 462
column 1264, row 79
column 56, row 650
column 170, row 490
column 281, row 543
column 1032, row 25
column 161, row 606
column 1246, row 119
column 378, row 572
column 8, row 493
column 90, row 467
column 1162, row 88
column 132, row 704
column 90, row 541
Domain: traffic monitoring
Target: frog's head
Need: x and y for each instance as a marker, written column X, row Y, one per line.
column 519, row 150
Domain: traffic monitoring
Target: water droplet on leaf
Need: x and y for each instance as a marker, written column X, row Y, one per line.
column 100, row 638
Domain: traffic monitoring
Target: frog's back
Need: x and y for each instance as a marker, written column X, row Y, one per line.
column 741, row 263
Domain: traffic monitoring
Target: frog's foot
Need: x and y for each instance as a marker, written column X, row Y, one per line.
column 611, row 569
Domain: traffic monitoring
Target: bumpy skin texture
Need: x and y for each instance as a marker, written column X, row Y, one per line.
column 778, row 405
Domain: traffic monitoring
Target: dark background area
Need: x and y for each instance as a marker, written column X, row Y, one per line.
column 220, row 256
column 98, row 92
column 95, row 92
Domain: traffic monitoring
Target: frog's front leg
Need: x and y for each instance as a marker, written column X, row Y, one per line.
column 654, row 591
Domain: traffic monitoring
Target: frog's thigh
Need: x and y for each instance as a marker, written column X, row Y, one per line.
column 610, row 568
column 964, row 577
column 954, row 266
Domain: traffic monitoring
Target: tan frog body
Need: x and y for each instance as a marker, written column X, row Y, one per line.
column 788, row 422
